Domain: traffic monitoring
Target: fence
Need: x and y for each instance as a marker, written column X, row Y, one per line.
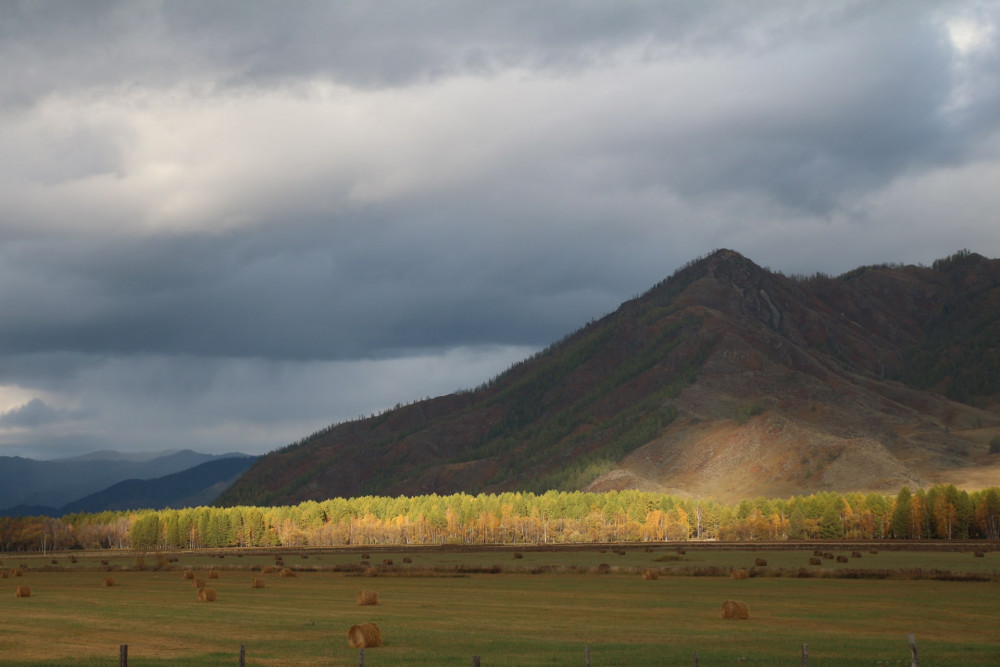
column 914, row 658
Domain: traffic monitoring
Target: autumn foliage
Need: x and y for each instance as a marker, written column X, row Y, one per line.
column 941, row 512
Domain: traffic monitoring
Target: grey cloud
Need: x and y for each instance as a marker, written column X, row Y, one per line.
column 392, row 43
column 253, row 294
column 33, row 413
column 218, row 405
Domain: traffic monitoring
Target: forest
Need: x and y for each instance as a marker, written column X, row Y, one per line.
column 555, row 517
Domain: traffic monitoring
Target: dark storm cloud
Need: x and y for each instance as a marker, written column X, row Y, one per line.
column 251, row 42
column 261, row 293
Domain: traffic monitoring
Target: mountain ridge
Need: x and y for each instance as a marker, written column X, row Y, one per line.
column 724, row 379
column 31, row 483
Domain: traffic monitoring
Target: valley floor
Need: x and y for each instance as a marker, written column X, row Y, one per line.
column 626, row 605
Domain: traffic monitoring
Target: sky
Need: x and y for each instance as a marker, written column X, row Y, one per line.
column 226, row 225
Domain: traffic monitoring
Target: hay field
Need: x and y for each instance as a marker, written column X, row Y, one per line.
column 430, row 614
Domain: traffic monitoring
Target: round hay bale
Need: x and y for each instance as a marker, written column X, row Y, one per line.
column 257, row 582
column 817, row 552
column 841, row 559
column 109, row 581
column 828, row 556
column 366, row 635
column 815, row 561
column 3, row 574
column 760, row 562
column 287, row 573
column 23, row 592
column 855, row 554
column 979, row 554
column 16, row 572
column 188, row 574
column 367, row 598
column 603, row 568
column 206, row 595
column 387, row 561
column 740, row 573
column 407, row 559
column 735, row 610
column 365, row 556
column 104, row 562
column 681, row 551
column 267, row 569
column 650, row 575
column 212, row 574
column 518, row 555
column 873, row 551
column 199, row 583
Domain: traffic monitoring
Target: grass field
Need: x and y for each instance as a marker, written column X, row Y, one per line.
column 435, row 612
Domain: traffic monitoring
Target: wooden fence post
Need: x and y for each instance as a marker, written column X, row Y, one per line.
column 696, row 659
column 586, row 654
column 913, row 652
column 475, row 661
column 243, row 655
column 123, row 655
column 805, row 655
column 362, row 658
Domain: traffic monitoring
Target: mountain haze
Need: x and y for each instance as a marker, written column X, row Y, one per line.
column 725, row 380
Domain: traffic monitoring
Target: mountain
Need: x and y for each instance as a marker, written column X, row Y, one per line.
column 193, row 487
column 113, row 455
column 27, row 482
column 725, row 380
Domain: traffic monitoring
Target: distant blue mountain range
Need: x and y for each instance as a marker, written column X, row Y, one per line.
column 115, row 480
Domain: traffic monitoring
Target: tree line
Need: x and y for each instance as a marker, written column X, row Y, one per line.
column 940, row 512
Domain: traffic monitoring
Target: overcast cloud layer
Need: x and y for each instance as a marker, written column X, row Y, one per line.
column 225, row 225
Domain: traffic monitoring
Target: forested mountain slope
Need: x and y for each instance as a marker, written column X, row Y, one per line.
column 724, row 380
